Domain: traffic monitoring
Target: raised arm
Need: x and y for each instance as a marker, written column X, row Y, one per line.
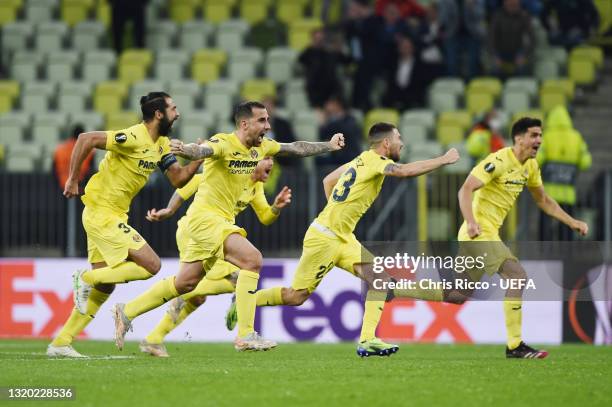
column 307, row 148
column 268, row 214
column 154, row 215
column 417, row 168
column 180, row 175
column 86, row 142
column 191, row 151
column 331, row 180
column 552, row 208
column 465, row 195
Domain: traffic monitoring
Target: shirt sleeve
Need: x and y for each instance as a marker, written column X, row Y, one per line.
column 121, row 141
column 260, row 205
column 271, row 147
column 217, row 144
column 535, row 177
column 190, row 188
column 380, row 165
column 488, row 169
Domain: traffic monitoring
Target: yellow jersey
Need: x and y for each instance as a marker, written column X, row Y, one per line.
column 504, row 178
column 354, row 192
column 227, row 174
column 253, row 195
column 131, row 158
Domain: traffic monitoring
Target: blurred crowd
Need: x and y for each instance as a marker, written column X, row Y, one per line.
column 405, row 45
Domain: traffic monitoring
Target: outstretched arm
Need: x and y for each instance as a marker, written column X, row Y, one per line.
column 331, row 180
column 552, row 208
column 180, row 175
column 84, row 145
column 191, row 151
column 307, row 148
column 417, row 168
column 154, row 215
column 465, row 195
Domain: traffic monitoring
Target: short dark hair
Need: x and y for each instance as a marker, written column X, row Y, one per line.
column 151, row 103
column 244, row 110
column 521, row 125
column 379, row 131
column 77, row 129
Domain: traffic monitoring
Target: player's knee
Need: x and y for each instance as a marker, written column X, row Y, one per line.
column 297, row 298
column 454, row 297
column 198, row 300
column 253, row 262
column 153, row 265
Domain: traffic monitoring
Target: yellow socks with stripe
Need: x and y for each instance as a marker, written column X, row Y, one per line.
column 77, row 321
column 166, row 325
column 514, row 315
column 269, row 296
column 161, row 292
column 246, row 288
column 420, row 294
column 373, row 310
column 121, row 273
column 210, row 287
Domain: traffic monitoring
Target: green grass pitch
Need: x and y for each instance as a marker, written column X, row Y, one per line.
column 313, row 375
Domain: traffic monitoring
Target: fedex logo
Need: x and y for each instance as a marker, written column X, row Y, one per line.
column 12, row 272
column 439, row 319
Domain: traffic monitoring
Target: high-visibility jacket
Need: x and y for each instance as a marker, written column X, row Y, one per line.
column 562, row 154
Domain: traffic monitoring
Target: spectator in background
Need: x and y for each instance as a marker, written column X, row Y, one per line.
column 363, row 31
column 511, row 40
column 281, row 131
column 485, row 137
column 533, row 7
column 463, row 28
column 393, row 25
column 429, row 41
column 338, row 120
column 407, row 79
column 562, row 154
column 61, row 159
column 321, row 62
column 574, row 23
column 123, row 12
column 406, row 8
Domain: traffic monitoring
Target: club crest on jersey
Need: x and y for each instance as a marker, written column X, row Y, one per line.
column 120, row 138
column 254, row 154
column 489, row 167
column 161, row 149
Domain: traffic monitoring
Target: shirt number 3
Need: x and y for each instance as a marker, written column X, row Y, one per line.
column 349, row 179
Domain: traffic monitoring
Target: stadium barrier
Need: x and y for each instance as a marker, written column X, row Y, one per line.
column 37, row 221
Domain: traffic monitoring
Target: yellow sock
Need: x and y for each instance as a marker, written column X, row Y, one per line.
column 269, row 296
column 121, row 273
column 210, row 287
column 166, row 325
column 77, row 321
column 245, row 301
column 373, row 309
column 513, row 312
column 420, row 294
column 161, row 292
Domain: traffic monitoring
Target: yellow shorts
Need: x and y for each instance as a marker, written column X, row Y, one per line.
column 322, row 251
column 221, row 268
column 489, row 246
column 207, row 232
column 109, row 237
